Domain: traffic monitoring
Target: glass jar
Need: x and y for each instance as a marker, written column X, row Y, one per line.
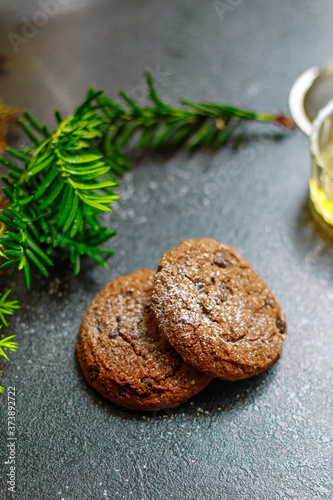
column 321, row 180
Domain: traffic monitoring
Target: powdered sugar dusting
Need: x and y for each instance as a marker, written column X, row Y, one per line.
column 215, row 309
column 122, row 335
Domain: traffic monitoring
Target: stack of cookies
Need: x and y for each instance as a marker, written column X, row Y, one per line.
column 153, row 340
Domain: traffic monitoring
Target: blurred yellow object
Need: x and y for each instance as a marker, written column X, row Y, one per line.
column 8, row 114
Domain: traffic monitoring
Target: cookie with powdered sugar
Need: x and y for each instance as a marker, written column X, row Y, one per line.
column 216, row 311
column 124, row 357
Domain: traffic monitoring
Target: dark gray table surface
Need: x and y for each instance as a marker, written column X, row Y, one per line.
column 269, row 437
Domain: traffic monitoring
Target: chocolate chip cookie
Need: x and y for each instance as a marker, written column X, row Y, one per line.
column 216, row 311
column 123, row 355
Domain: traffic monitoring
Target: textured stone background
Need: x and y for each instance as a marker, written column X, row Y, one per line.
column 265, row 438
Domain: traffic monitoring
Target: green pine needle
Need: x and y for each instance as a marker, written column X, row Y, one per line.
column 7, row 307
column 7, row 343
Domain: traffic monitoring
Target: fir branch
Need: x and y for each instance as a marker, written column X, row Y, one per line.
column 201, row 125
column 56, row 197
column 58, row 187
column 7, row 343
column 7, row 307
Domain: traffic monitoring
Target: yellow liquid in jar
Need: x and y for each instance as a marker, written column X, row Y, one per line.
column 321, row 185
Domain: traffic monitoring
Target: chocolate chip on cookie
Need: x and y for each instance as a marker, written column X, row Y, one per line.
column 216, row 311
column 123, row 355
